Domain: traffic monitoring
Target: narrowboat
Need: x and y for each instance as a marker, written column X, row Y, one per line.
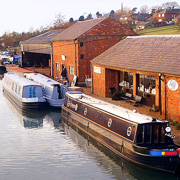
column 23, row 92
column 53, row 91
column 136, row 137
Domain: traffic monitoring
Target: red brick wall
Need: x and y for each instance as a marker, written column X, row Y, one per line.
column 98, row 85
column 95, row 41
column 172, row 102
column 66, row 48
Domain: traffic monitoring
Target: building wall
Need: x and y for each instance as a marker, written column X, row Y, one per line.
column 66, row 48
column 171, row 99
column 165, row 98
column 98, row 80
column 95, row 41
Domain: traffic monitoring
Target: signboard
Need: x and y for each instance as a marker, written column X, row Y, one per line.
column 172, row 85
column 97, row 70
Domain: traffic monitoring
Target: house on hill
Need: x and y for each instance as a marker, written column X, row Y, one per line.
column 135, row 18
column 166, row 15
column 76, row 46
column 147, row 66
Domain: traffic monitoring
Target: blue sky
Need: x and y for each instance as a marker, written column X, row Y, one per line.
column 21, row 15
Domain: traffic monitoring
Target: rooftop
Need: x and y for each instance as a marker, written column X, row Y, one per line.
column 157, row 54
column 77, row 29
column 44, row 38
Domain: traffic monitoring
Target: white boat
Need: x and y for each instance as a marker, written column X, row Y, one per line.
column 23, row 92
column 53, row 91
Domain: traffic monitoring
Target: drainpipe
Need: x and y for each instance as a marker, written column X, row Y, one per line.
column 92, row 88
column 75, row 58
column 165, row 96
column 52, row 71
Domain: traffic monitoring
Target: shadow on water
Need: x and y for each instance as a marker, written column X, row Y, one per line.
column 119, row 168
column 34, row 118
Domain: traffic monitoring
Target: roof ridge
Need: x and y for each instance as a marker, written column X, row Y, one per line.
column 152, row 36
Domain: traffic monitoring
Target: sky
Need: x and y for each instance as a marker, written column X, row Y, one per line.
column 22, row 15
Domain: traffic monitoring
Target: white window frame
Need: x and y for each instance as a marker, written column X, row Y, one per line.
column 58, row 67
column 71, row 70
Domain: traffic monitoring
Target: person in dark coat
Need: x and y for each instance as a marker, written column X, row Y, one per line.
column 64, row 73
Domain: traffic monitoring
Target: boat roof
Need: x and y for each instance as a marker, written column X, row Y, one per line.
column 43, row 79
column 19, row 79
column 127, row 114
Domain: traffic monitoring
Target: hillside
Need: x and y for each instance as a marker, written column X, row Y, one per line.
column 171, row 29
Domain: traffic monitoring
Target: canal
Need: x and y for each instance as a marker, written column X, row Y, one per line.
column 39, row 146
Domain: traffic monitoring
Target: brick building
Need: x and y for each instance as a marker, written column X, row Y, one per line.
column 148, row 66
column 166, row 15
column 76, row 46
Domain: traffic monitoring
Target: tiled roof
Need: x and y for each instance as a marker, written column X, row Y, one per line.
column 170, row 11
column 159, row 54
column 77, row 29
column 44, row 38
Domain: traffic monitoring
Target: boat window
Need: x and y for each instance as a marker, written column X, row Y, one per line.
column 16, row 88
column 156, row 132
column 13, row 86
column 30, row 92
column 34, row 91
column 140, row 135
column 163, row 133
column 19, row 90
column 149, row 133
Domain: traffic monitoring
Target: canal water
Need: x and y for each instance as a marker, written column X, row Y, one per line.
column 39, row 146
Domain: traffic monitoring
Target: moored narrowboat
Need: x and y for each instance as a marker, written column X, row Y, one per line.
column 23, row 92
column 53, row 91
column 136, row 137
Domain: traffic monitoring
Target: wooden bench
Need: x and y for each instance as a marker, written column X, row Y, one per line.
column 136, row 101
column 127, row 97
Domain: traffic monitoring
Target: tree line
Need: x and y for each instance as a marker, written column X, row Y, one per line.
column 13, row 39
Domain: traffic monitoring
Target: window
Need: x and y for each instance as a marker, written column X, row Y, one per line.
column 159, row 15
column 34, row 91
column 16, row 88
column 163, row 134
column 127, row 80
column 148, row 133
column 140, row 135
column 30, row 92
column 156, row 133
column 19, row 90
column 162, row 15
column 147, row 84
column 81, row 44
column 58, row 67
column 71, row 70
column 82, row 56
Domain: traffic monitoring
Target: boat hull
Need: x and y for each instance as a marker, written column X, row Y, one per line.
column 55, row 103
column 23, row 104
column 117, row 144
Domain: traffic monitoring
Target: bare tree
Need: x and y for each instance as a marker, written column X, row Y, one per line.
column 170, row 5
column 59, row 20
column 144, row 9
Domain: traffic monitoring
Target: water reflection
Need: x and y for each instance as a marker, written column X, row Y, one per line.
column 34, row 118
column 42, row 147
column 109, row 162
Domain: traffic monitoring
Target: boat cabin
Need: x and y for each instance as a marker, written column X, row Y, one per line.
column 22, row 87
column 53, row 91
